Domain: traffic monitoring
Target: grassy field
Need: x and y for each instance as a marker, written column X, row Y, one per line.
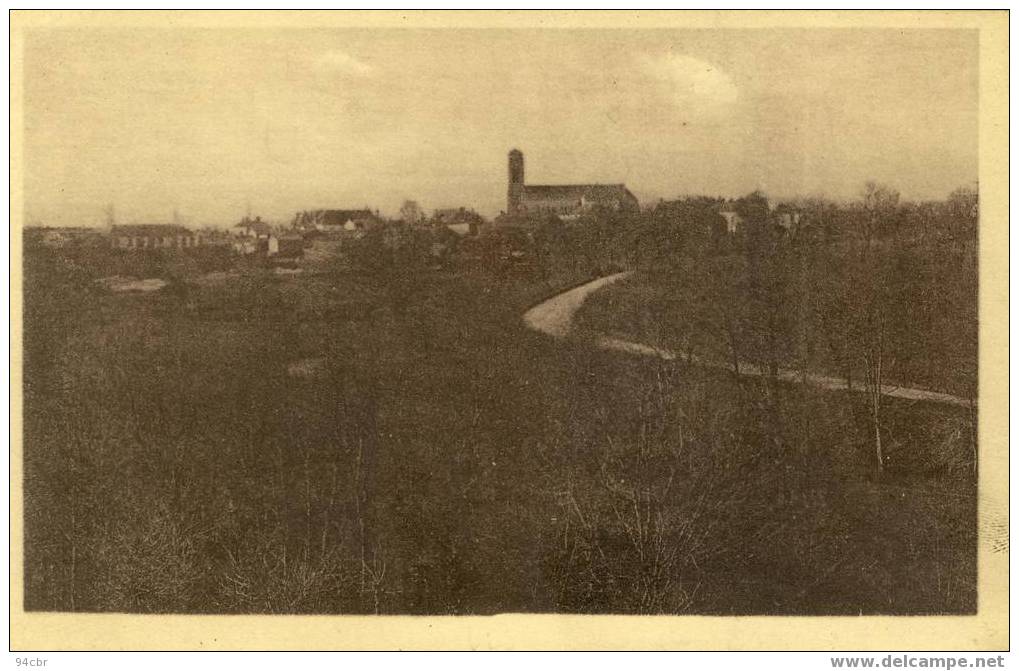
column 340, row 443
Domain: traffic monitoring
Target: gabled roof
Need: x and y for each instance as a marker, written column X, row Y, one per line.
column 150, row 230
column 256, row 225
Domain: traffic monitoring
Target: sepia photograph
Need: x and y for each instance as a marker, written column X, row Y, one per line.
column 509, row 314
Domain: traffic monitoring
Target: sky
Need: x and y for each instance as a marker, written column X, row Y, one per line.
column 214, row 123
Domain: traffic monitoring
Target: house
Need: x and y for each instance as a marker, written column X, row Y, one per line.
column 153, row 236
column 567, row 200
column 336, row 221
column 251, row 236
column 786, row 217
column 733, row 221
column 282, row 245
column 252, row 228
column 460, row 220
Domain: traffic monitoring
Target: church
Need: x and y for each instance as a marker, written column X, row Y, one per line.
column 564, row 200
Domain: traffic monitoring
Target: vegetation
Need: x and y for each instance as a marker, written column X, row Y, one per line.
column 384, row 436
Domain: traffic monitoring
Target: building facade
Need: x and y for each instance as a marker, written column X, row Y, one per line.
column 153, row 236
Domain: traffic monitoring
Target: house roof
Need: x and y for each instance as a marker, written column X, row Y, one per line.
column 150, row 230
column 256, row 225
column 61, row 229
column 577, row 191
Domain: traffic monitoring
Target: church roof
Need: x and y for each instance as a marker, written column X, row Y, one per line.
column 589, row 191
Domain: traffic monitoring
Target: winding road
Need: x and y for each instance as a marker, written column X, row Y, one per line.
column 554, row 317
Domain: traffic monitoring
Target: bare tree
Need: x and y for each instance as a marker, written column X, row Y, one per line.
column 880, row 205
column 411, row 212
column 873, row 360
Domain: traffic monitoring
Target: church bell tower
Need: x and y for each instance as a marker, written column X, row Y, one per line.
column 516, row 182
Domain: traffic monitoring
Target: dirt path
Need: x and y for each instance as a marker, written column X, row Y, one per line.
column 555, row 318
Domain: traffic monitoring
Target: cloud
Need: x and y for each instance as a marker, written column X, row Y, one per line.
column 692, row 82
column 339, row 62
